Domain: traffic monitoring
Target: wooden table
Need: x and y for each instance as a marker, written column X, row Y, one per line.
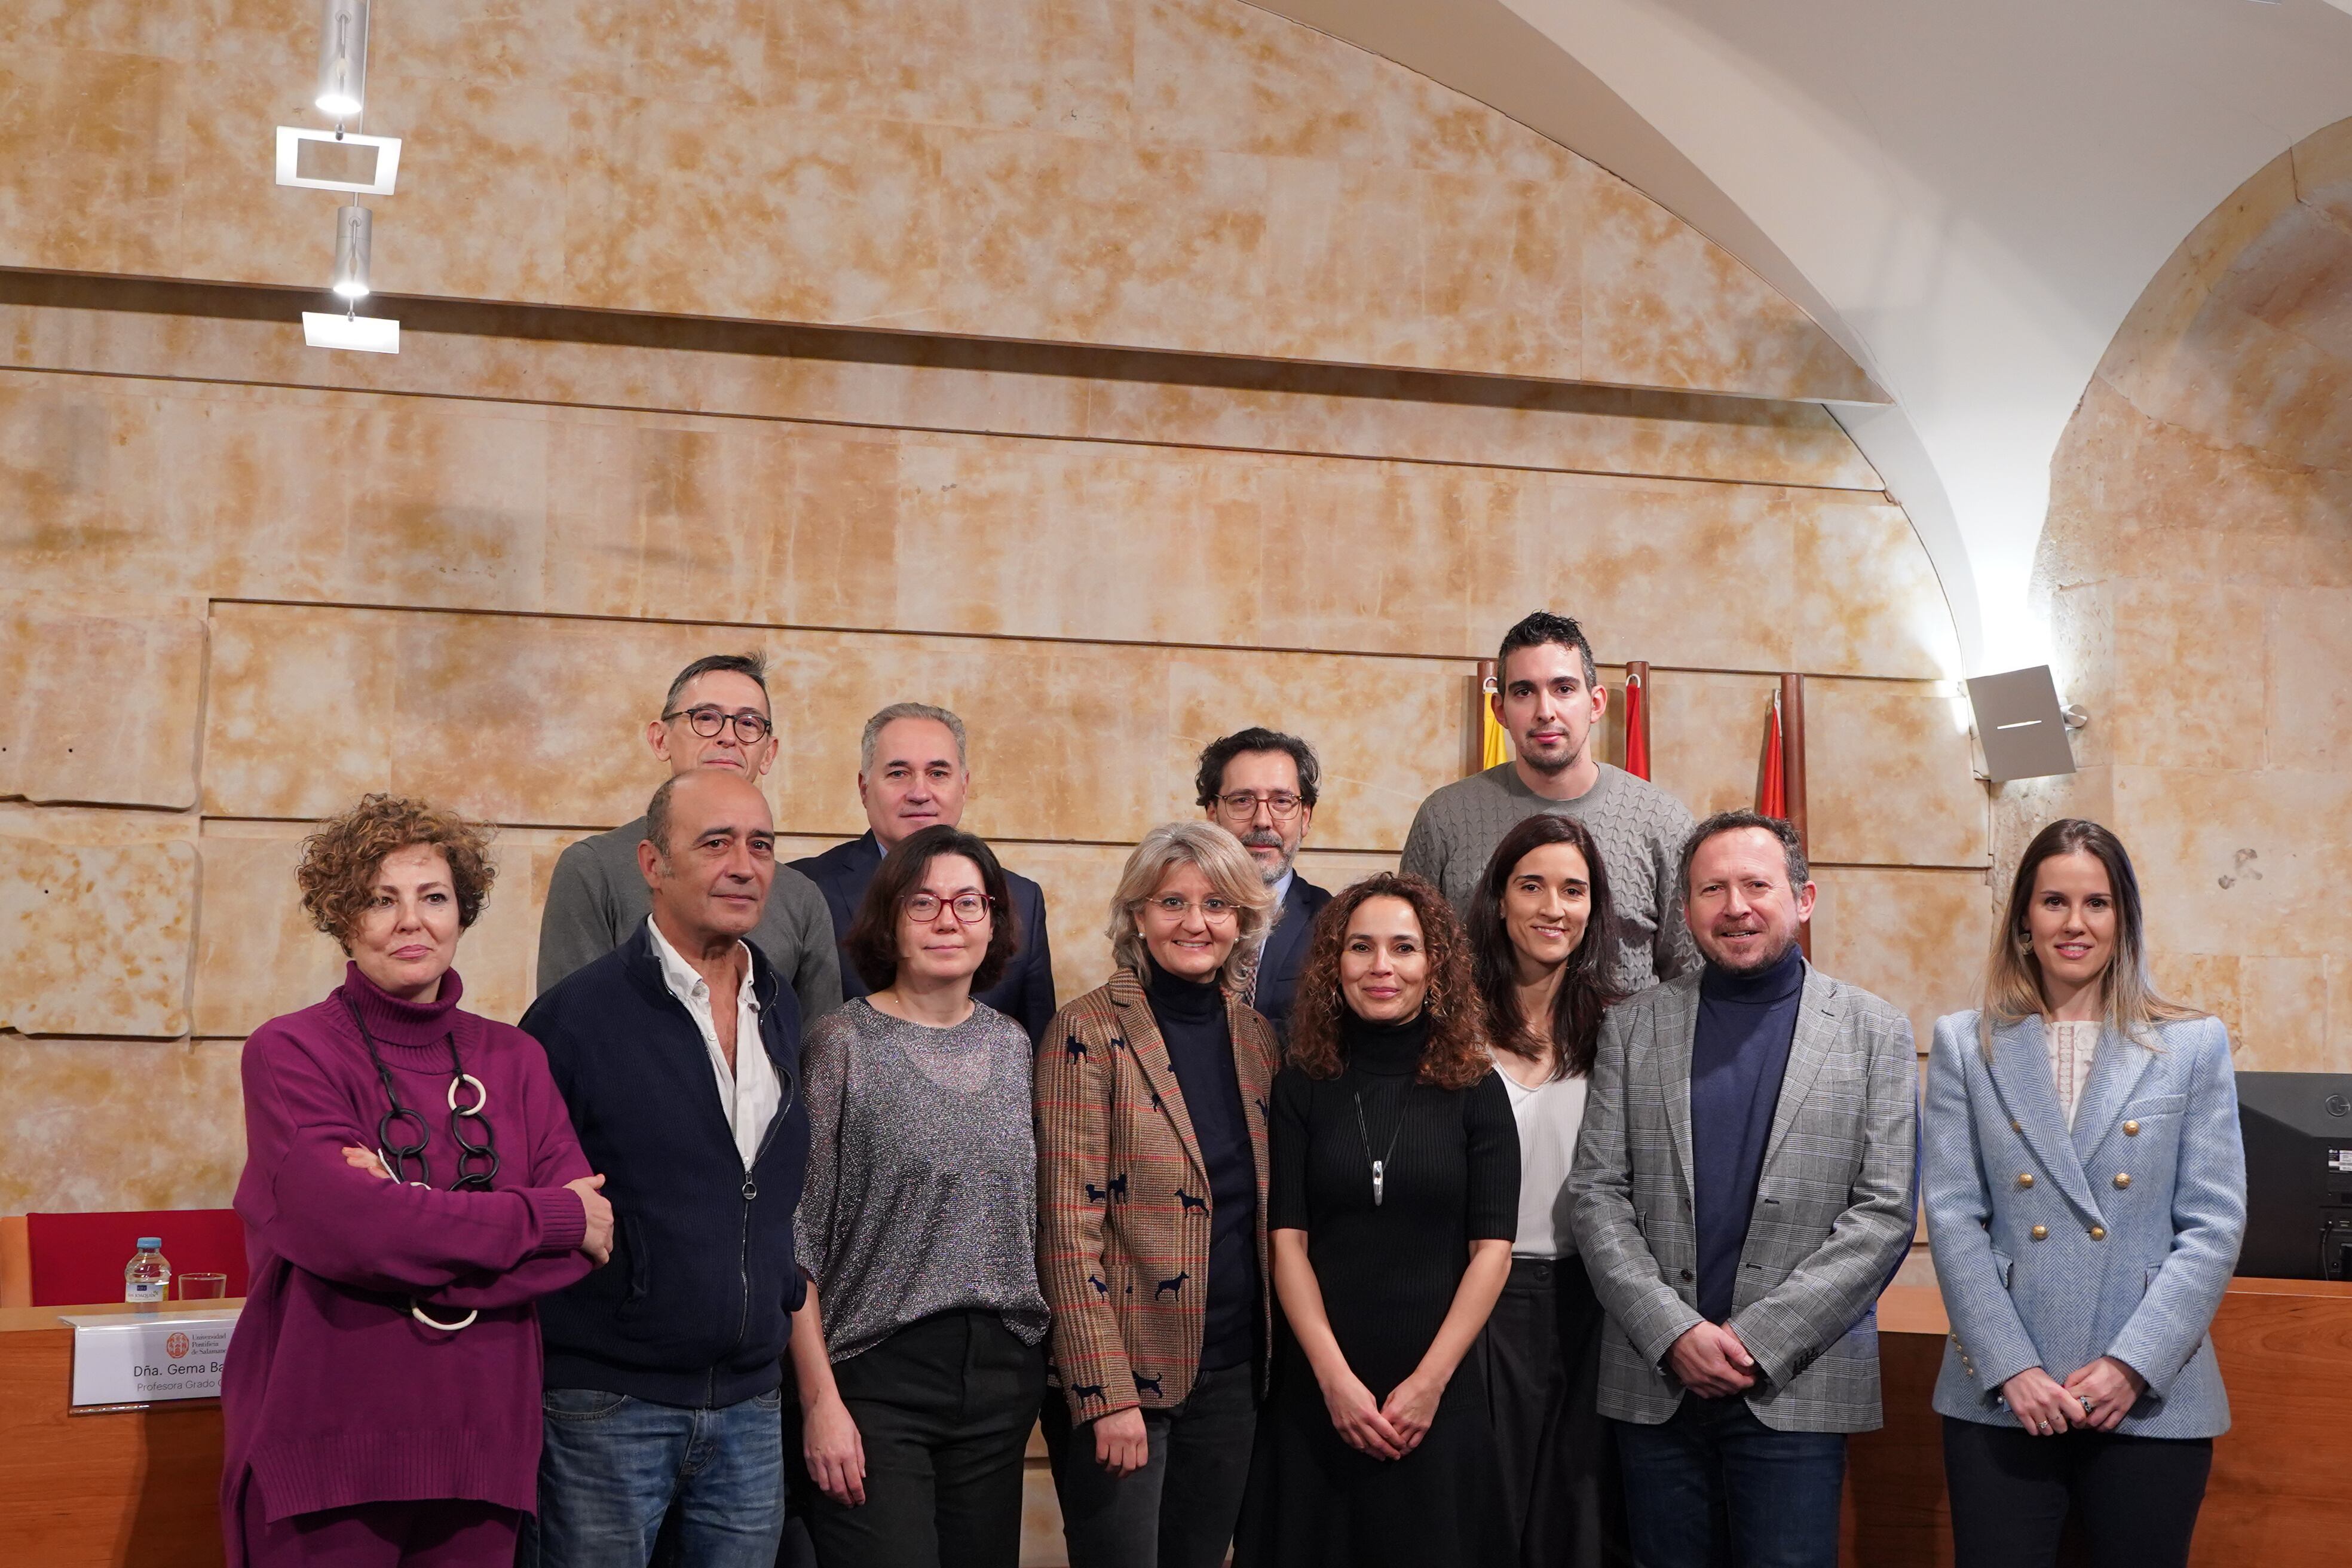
column 2282, row 1475
column 140, row 1486
column 118, row 1486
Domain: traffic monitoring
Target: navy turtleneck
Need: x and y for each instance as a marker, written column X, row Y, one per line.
column 1195, row 1028
column 1738, row 1055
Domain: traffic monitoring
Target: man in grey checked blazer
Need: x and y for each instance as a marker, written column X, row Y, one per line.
column 1789, row 1218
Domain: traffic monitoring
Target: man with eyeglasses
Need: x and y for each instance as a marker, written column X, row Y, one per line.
column 1260, row 786
column 716, row 717
column 913, row 771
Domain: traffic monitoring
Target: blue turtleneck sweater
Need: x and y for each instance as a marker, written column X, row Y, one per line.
column 1738, row 1055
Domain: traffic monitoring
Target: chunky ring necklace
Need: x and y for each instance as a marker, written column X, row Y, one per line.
column 477, row 1163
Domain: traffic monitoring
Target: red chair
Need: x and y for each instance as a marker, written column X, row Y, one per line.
column 77, row 1259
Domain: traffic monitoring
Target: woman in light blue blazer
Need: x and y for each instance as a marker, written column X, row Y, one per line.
column 2086, row 1195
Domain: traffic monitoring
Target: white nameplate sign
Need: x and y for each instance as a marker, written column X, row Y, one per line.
column 139, row 1358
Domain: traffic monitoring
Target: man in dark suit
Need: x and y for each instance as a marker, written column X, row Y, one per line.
column 913, row 771
column 1259, row 786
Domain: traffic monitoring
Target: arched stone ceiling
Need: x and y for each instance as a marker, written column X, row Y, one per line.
column 1969, row 198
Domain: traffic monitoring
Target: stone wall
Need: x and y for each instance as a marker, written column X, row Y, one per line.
column 2197, row 569
column 1311, row 407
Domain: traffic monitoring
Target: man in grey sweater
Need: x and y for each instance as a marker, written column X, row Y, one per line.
column 717, row 716
column 1550, row 699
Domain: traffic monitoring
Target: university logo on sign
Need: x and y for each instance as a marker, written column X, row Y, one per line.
column 176, row 1346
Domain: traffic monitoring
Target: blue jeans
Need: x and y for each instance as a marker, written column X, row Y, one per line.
column 1713, row 1487
column 612, row 1466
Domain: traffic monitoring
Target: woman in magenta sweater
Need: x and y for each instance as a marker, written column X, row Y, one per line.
column 412, row 1185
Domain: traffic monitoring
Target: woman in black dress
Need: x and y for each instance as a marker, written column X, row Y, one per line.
column 1394, row 1199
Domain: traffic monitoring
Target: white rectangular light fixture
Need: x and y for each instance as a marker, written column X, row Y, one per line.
column 370, row 334
column 289, row 153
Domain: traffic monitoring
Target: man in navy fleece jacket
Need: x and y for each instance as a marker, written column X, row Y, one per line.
column 678, row 1053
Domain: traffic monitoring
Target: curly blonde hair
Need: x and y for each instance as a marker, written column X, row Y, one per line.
column 341, row 860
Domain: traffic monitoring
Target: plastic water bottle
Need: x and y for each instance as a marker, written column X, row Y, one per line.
column 147, row 1278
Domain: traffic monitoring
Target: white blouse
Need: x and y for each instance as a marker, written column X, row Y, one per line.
column 1548, row 1116
column 2073, row 1047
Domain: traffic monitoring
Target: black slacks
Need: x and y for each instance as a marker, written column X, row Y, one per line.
column 944, row 1409
column 2134, row 1499
column 1541, row 1352
column 1178, row 1511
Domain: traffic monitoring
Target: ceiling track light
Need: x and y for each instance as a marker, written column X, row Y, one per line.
column 343, row 59
column 352, row 230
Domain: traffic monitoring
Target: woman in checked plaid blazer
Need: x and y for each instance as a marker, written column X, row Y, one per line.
column 2086, row 1194
column 1151, row 1174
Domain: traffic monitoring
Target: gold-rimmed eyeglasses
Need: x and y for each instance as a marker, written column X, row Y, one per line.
column 1213, row 909
column 749, row 727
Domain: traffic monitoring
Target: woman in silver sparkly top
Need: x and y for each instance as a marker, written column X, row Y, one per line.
column 921, row 1375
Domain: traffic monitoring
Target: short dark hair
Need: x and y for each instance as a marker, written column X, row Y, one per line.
column 1210, row 782
column 754, row 665
column 1536, row 631
column 873, row 940
column 1722, row 822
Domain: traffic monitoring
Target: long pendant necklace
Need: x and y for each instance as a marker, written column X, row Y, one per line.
column 1381, row 1165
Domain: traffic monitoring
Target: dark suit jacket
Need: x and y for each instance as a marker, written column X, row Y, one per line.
column 1286, row 953
column 1025, row 995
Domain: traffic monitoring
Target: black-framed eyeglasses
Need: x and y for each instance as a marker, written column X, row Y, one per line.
column 970, row 908
column 749, row 727
column 1242, row 804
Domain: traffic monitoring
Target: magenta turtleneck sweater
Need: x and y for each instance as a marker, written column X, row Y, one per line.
column 333, row 1393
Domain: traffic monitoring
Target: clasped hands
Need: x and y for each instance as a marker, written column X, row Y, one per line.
column 1385, row 1428
column 1712, row 1360
column 2046, row 1407
column 596, row 1242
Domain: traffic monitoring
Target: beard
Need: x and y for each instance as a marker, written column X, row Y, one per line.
column 1551, row 763
column 1269, row 840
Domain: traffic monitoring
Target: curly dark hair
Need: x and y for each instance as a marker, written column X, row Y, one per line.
column 872, row 943
column 1585, row 990
column 1455, row 1056
column 340, row 861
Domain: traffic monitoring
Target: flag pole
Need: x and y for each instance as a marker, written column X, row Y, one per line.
column 1793, row 772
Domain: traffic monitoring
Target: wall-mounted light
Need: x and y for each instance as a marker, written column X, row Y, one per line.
column 2020, row 727
column 343, row 59
column 352, row 232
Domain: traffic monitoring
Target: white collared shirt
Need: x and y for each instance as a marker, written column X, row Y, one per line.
column 751, row 1092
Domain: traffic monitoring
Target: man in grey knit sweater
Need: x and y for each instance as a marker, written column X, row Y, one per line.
column 716, row 716
column 1549, row 699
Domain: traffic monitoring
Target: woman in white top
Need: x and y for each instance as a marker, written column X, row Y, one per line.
column 1539, row 940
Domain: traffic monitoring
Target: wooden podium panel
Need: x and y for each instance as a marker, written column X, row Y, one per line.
column 117, row 1487
column 2281, row 1475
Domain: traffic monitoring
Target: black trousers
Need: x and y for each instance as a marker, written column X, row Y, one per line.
column 2134, row 1499
column 1178, row 1511
column 1541, row 1352
column 944, row 1408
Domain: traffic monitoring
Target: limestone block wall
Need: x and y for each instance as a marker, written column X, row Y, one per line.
column 1218, row 374
column 2198, row 570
